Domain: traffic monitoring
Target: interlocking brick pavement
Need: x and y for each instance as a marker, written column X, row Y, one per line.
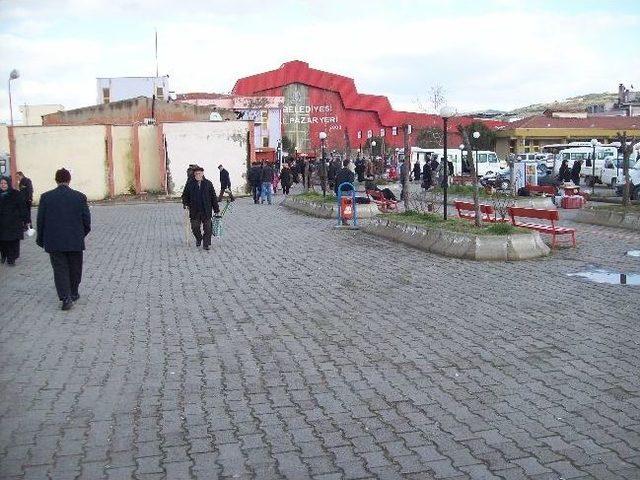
column 292, row 350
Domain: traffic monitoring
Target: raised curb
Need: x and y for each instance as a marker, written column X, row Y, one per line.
column 608, row 218
column 521, row 246
column 325, row 210
column 526, row 202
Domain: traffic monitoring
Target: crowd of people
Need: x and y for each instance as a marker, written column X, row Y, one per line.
column 15, row 216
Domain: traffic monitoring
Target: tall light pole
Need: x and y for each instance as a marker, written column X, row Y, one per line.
column 461, row 158
column 373, row 144
column 323, row 165
column 594, row 143
column 12, row 76
column 476, row 136
column 446, row 112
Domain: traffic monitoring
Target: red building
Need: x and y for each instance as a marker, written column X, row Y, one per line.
column 317, row 101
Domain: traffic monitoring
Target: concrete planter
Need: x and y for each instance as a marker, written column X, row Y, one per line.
column 521, row 246
column 328, row 210
column 608, row 218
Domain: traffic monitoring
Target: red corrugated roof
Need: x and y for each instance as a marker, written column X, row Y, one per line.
column 299, row 72
column 542, row 121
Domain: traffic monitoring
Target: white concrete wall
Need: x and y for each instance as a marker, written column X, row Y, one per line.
column 123, row 175
column 208, row 144
column 40, row 151
column 150, row 162
column 32, row 114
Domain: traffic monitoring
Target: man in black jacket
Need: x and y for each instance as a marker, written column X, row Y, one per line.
column 63, row 222
column 225, row 183
column 200, row 198
column 255, row 180
column 344, row 175
column 26, row 189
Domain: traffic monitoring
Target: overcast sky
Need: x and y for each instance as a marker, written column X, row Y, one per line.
column 486, row 54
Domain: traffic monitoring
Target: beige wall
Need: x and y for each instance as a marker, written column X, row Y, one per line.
column 4, row 139
column 150, row 162
column 208, row 144
column 40, row 151
column 123, row 176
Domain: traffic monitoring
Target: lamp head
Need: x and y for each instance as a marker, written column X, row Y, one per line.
column 322, row 135
column 14, row 74
column 447, row 111
column 462, row 146
column 594, row 142
column 373, row 143
column 476, row 135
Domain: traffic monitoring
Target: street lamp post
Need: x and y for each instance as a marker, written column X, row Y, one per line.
column 476, row 136
column 373, row 144
column 446, row 112
column 323, row 165
column 594, row 143
column 461, row 158
column 12, row 76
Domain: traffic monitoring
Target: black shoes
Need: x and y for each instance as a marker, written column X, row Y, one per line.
column 67, row 304
column 75, row 298
column 11, row 262
column 207, row 247
column 3, row 258
column 198, row 243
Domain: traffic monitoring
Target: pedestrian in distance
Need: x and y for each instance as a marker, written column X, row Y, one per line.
column 255, row 180
column 416, row 170
column 26, row 189
column 200, row 198
column 285, row 178
column 267, row 180
column 564, row 174
column 225, row 183
column 63, row 222
column 345, row 175
column 575, row 172
column 427, row 177
column 13, row 218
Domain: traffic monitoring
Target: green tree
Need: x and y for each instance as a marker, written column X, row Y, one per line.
column 288, row 146
column 430, row 137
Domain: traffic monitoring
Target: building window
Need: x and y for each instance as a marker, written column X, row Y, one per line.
column 264, row 127
column 105, row 95
column 159, row 93
column 394, row 131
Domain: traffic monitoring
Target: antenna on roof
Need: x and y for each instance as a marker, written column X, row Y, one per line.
column 156, row 53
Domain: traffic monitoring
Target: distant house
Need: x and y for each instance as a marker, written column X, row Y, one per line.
column 32, row 114
column 115, row 89
column 530, row 134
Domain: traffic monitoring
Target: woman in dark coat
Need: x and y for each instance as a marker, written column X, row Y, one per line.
column 416, row 171
column 13, row 216
column 575, row 172
column 427, row 178
column 564, row 175
column 285, row 178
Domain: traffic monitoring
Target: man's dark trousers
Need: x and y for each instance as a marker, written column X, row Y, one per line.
column 201, row 219
column 67, row 273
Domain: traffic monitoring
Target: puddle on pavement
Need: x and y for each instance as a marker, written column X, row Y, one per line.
column 606, row 276
column 633, row 253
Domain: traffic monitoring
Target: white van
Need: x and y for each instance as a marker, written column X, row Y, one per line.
column 488, row 162
column 613, row 170
column 571, row 155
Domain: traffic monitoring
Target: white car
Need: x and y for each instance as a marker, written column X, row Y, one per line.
column 612, row 172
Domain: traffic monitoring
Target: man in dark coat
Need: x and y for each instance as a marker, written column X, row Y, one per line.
column 225, row 183
column 255, row 180
column 344, row 175
column 332, row 169
column 13, row 217
column 575, row 172
column 564, row 175
column 200, row 198
column 26, row 189
column 63, row 223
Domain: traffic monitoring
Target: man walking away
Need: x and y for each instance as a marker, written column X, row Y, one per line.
column 26, row 189
column 255, row 180
column 345, row 175
column 200, row 198
column 225, row 183
column 63, row 222
column 575, row 172
column 267, row 179
column 285, row 178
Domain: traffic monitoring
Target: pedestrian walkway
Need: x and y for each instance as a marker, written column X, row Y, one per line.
column 291, row 350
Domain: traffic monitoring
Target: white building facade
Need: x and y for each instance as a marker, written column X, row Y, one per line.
column 121, row 88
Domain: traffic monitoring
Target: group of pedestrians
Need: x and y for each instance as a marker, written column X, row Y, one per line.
column 566, row 174
column 63, row 222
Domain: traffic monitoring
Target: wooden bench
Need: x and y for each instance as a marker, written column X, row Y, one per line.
column 384, row 204
column 467, row 211
column 550, row 215
column 543, row 189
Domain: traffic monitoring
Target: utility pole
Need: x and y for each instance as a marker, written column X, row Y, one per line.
column 407, row 166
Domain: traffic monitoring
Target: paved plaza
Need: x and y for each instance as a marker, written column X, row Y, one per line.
column 292, row 350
